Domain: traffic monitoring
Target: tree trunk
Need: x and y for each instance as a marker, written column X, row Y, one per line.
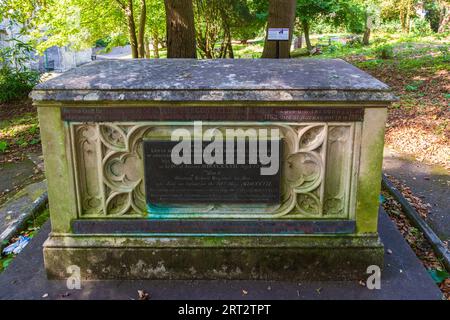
column 147, row 48
column 300, row 41
column 156, row 49
column 230, row 47
column 156, row 45
column 281, row 15
column 305, row 26
column 402, row 14
column 408, row 17
column 405, row 14
column 366, row 37
column 224, row 46
column 141, row 34
column 128, row 9
column 444, row 17
column 180, row 29
column 208, row 53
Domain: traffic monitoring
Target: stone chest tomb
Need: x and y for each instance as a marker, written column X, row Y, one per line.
column 121, row 207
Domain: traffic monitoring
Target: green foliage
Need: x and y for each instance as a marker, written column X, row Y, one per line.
column 414, row 86
column 424, row 62
column 15, row 85
column 334, row 48
column 390, row 11
column 3, row 146
column 35, row 141
column 301, row 52
column 110, row 42
column 391, row 26
column 103, row 43
column 247, row 20
column 156, row 21
column 433, row 13
column 349, row 14
column 445, row 53
column 78, row 23
column 19, row 132
column 248, row 51
column 217, row 22
column 5, row 262
column 34, row 223
column 352, row 14
column 16, row 79
column 16, row 54
column 412, row 53
column 421, row 27
column 385, row 51
column 321, row 26
column 81, row 23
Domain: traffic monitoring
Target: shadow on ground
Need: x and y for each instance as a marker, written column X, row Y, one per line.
column 429, row 182
column 403, row 277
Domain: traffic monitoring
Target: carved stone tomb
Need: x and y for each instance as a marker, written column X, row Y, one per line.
column 120, row 207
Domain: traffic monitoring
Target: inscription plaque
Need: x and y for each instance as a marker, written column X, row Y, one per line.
column 168, row 183
column 99, row 114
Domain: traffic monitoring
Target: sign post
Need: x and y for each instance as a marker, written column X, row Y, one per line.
column 278, row 34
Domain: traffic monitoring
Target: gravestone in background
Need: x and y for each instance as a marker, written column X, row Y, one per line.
column 121, row 208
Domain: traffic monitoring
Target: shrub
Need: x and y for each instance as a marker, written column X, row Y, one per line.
column 384, row 51
column 16, row 84
column 445, row 53
column 335, row 47
column 421, row 27
column 3, row 146
column 391, row 27
column 16, row 78
column 300, row 52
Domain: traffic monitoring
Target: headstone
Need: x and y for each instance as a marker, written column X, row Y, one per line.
column 207, row 169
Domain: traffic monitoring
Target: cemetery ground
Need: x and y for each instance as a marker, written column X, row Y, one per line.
column 417, row 141
column 20, row 149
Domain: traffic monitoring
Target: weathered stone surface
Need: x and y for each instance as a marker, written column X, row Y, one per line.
column 331, row 168
column 26, row 278
column 59, row 173
column 369, row 176
column 215, row 80
column 259, row 258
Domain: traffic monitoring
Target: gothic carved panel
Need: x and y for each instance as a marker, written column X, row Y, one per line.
column 316, row 170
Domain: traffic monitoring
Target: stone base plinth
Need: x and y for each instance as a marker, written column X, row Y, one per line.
column 188, row 257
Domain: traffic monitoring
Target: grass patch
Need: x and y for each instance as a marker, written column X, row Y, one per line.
column 405, row 54
column 19, row 132
column 251, row 50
